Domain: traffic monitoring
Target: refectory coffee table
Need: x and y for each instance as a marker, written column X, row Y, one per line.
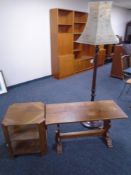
column 65, row 113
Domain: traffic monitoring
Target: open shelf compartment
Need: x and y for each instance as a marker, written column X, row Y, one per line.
column 65, row 17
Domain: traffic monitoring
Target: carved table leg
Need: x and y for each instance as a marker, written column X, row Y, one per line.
column 108, row 140
column 58, row 140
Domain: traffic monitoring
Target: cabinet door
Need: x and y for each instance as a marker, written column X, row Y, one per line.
column 81, row 65
column 66, row 65
column 65, row 43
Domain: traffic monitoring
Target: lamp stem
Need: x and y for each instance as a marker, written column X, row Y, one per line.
column 94, row 124
column 93, row 89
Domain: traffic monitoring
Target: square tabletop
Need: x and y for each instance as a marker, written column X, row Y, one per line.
column 24, row 114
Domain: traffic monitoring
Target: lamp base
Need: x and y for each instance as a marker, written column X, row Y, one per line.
column 93, row 124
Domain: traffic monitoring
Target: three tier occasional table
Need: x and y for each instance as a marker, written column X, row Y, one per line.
column 24, row 128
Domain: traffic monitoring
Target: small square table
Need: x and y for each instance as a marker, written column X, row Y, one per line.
column 24, row 128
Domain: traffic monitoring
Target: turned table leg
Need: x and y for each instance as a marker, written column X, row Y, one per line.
column 58, row 140
column 108, row 140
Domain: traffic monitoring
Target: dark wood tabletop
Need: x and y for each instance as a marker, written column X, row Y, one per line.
column 83, row 111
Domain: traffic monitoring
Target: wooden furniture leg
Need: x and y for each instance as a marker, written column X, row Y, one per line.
column 42, row 138
column 96, row 132
column 108, row 140
column 58, row 140
column 8, row 142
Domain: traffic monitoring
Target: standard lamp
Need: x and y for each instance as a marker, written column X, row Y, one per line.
column 97, row 31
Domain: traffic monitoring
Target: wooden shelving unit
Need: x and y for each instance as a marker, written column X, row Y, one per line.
column 69, row 57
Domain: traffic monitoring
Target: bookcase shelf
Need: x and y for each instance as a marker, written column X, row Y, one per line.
column 79, row 23
column 68, row 56
column 76, row 50
column 65, row 28
column 65, row 17
column 76, row 36
column 77, row 33
column 78, row 27
column 80, row 17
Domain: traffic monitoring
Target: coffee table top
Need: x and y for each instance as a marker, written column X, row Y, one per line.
column 25, row 113
column 83, row 111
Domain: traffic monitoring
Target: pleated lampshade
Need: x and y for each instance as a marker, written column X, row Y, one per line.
column 98, row 29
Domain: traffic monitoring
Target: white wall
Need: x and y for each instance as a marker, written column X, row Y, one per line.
column 25, row 36
column 119, row 18
column 129, row 15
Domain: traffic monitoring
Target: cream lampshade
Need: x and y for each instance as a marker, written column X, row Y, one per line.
column 98, row 31
column 98, row 28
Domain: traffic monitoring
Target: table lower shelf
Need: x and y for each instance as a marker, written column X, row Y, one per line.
column 24, row 132
column 25, row 147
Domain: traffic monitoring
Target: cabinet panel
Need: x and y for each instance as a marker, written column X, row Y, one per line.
column 90, row 63
column 65, row 43
column 83, row 64
column 66, row 66
column 116, row 69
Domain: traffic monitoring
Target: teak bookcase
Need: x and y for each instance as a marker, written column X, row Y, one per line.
column 69, row 57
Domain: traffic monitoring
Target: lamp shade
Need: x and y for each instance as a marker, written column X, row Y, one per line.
column 98, row 28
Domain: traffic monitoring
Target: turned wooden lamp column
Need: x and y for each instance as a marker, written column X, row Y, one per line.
column 98, row 31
